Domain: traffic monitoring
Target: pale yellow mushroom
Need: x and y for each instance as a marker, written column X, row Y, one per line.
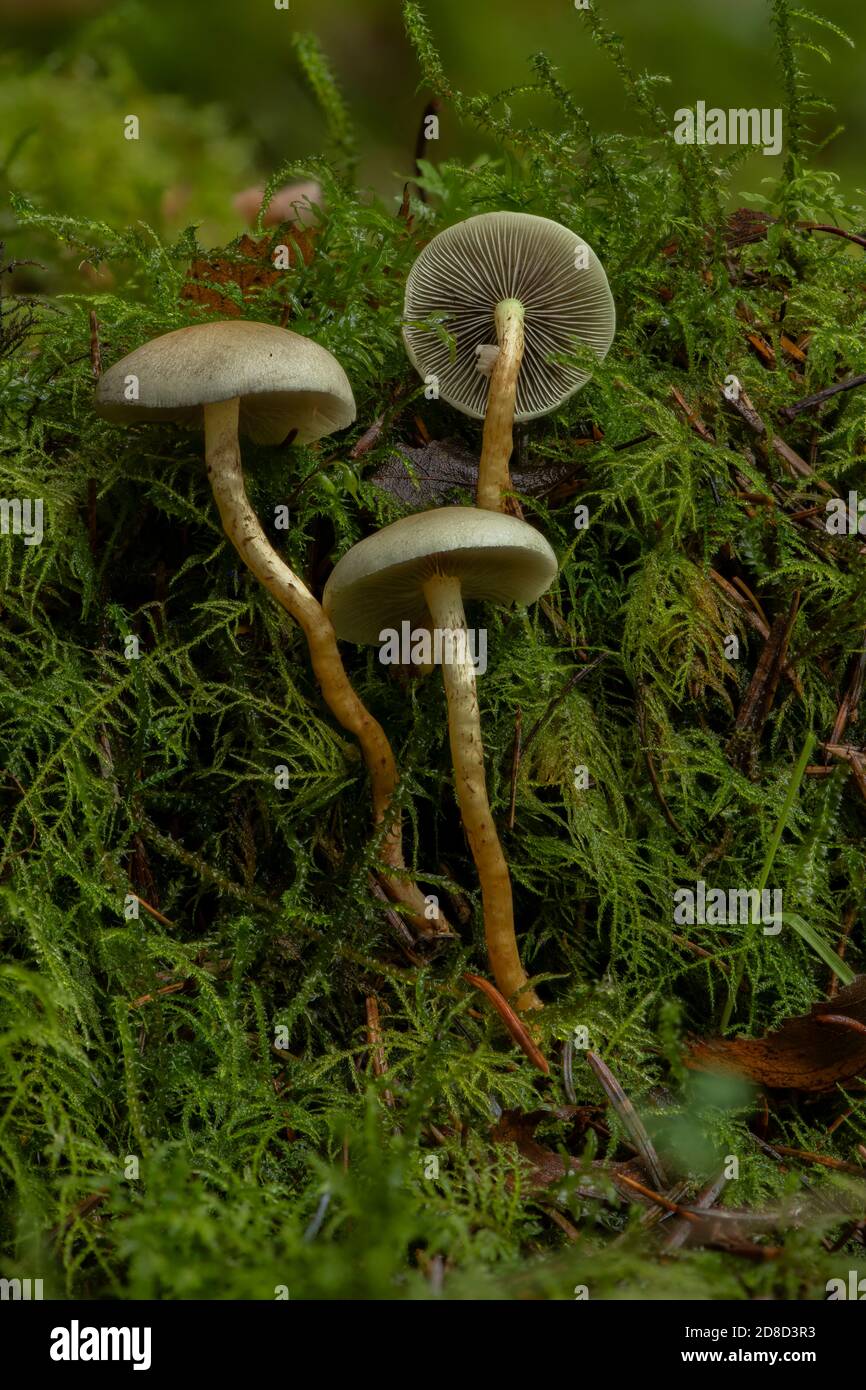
column 513, row 290
column 419, row 570
column 238, row 376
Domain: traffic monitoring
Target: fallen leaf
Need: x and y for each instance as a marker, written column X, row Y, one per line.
column 810, row 1052
column 546, row 1167
column 443, row 469
column 247, row 264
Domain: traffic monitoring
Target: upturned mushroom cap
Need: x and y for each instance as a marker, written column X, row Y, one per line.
column 379, row 582
column 285, row 382
column 465, row 271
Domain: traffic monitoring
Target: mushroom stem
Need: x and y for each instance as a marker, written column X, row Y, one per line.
column 445, row 602
column 242, row 526
column 494, row 479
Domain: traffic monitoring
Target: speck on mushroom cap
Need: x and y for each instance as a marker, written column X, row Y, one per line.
column 469, row 268
column 285, row 381
column 379, row 582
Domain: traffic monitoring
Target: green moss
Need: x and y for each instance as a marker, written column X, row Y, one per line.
column 154, row 776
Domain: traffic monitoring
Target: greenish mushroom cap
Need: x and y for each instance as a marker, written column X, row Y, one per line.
column 285, row 382
column 379, row 583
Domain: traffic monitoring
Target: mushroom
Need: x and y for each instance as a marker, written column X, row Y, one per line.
column 521, row 284
column 274, row 385
column 420, row 569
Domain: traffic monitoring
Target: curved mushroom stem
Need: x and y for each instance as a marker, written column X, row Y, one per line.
column 222, row 453
column 445, row 602
column 494, row 479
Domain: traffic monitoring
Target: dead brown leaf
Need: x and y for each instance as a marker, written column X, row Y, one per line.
column 810, row 1052
column 547, row 1167
column 249, row 265
column 443, row 469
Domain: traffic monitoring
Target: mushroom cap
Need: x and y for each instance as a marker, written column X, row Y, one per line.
column 285, row 382
column 465, row 271
column 379, row 583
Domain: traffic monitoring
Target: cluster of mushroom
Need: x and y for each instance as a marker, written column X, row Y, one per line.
column 515, row 293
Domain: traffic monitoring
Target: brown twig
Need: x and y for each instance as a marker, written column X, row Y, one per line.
column 764, row 351
column 699, row 950
column 657, row 1197
column 754, row 619
column 749, row 415
column 82, row 1209
column 167, row 989
column 753, row 600
column 557, row 700
column 693, row 418
column 823, row 1160
column 759, row 697
column 154, row 912
column 431, row 109
column 789, row 412
column 851, row 700
column 515, row 1026
column 376, row 1044
column 409, row 941
column 404, row 211
column 835, row 231
column 855, row 760
column 791, row 348
column 95, row 353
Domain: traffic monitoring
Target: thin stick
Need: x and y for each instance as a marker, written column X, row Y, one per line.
column 669, row 816
column 823, row 1160
column 836, row 231
column 658, row 1198
column 517, row 1029
column 629, row 1117
column 790, row 411
column 377, row 1046
column 95, row 354
column 445, row 603
column 847, row 923
column 432, row 107
column 573, row 680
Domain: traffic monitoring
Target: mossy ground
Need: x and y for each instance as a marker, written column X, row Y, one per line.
column 154, row 1039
